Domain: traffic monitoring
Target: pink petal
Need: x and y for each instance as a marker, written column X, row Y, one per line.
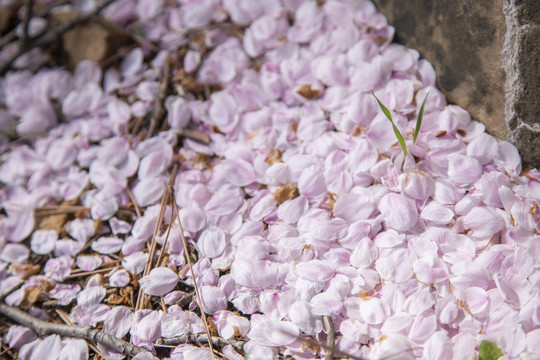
column 146, row 325
column 372, row 311
column 430, row 270
column 62, row 153
column 352, row 207
column 329, row 230
column 159, row 281
column 437, row 214
column 362, row 156
column 17, row 336
column 65, row 293
column 213, row 298
column 212, row 242
column 43, row 241
column 417, row 185
column 81, row 229
column 423, row 327
column 364, row 253
column 135, row 262
column 119, row 279
column 476, row 299
column 225, row 200
column 192, row 219
column 484, row 222
column 463, row 170
column 311, row 182
column 118, row 321
column 107, row 245
column 291, row 210
column 149, row 190
column 326, row 303
column 154, row 163
column 89, row 262
column 14, row 253
column 438, row 347
column 315, row 270
column 398, row 212
column 483, row 148
column 254, row 274
column 396, row 267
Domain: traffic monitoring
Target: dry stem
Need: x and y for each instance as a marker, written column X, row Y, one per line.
column 186, row 253
column 331, row 337
column 148, row 267
column 201, row 338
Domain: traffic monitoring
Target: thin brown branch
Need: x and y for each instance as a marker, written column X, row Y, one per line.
column 159, row 111
column 134, row 202
column 331, row 337
column 186, row 253
column 44, row 328
column 196, row 135
column 50, row 36
column 201, row 338
column 141, row 41
column 152, row 252
column 29, row 5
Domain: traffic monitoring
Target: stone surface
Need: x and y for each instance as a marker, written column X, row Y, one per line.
column 486, row 55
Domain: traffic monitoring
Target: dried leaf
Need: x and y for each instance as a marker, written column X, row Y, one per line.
column 274, row 156
column 285, row 193
column 441, row 133
column 53, row 222
column 330, row 202
column 307, row 92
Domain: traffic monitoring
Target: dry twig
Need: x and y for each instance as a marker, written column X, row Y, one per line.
column 331, row 337
column 148, row 267
column 201, row 338
column 186, row 253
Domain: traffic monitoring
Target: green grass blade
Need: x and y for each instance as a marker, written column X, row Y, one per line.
column 396, row 130
column 419, row 120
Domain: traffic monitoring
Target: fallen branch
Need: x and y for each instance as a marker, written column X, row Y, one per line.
column 201, row 338
column 331, row 337
column 50, row 36
column 44, row 328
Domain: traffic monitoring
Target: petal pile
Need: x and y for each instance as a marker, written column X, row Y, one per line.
column 301, row 206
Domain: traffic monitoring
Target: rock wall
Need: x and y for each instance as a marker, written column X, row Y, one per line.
column 487, row 58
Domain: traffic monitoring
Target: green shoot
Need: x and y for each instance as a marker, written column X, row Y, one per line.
column 396, row 130
column 419, row 120
column 489, row 351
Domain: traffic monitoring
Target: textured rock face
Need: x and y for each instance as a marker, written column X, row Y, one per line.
column 486, row 55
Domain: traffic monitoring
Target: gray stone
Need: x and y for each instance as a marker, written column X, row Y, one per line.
column 487, row 58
